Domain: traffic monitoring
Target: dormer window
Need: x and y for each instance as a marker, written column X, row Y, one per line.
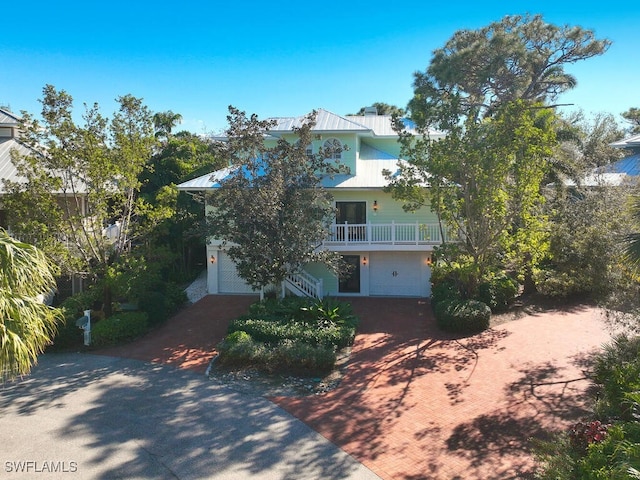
column 333, row 149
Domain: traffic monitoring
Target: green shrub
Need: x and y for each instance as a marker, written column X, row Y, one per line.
column 498, row 292
column 162, row 303
column 445, row 291
column 119, row 328
column 616, row 373
column 302, row 358
column 293, row 334
column 238, row 348
column 69, row 336
column 463, row 316
column 609, row 447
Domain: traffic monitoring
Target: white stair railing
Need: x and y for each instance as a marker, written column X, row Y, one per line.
column 304, row 284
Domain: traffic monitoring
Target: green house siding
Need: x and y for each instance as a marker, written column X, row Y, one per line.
column 329, row 280
column 389, row 210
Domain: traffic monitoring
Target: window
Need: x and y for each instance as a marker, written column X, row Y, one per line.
column 333, row 149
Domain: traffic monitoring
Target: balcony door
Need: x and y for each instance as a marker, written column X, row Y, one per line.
column 351, row 213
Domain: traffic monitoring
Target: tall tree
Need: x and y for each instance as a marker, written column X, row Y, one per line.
column 181, row 157
column 383, row 109
column 83, row 179
column 164, row 122
column 27, row 325
column 271, row 210
column 489, row 91
column 633, row 117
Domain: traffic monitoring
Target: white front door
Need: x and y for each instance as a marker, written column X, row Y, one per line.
column 399, row 274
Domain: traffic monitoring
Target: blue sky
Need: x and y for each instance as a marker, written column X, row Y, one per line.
column 276, row 58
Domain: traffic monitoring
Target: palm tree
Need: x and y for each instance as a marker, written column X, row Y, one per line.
column 164, row 123
column 27, row 324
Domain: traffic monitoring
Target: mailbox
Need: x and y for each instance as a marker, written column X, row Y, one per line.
column 84, row 323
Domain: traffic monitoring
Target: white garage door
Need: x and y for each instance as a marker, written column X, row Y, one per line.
column 228, row 279
column 398, row 274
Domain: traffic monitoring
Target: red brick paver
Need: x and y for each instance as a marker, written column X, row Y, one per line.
column 188, row 339
column 415, row 403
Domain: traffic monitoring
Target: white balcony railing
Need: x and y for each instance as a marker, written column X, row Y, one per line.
column 386, row 234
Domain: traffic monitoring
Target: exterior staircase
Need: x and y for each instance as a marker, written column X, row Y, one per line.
column 303, row 284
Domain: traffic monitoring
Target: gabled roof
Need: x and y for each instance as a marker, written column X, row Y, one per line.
column 7, row 118
column 7, row 169
column 376, row 125
column 629, row 142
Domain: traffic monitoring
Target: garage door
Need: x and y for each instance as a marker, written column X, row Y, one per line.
column 228, row 279
column 398, row 274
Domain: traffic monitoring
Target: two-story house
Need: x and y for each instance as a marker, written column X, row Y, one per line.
column 390, row 249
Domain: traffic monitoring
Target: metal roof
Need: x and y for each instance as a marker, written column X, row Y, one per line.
column 7, row 169
column 602, row 180
column 376, row 125
column 629, row 165
column 629, row 142
column 7, row 118
column 369, row 167
column 206, row 182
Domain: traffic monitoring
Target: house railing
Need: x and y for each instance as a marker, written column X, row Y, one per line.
column 304, row 284
column 386, row 234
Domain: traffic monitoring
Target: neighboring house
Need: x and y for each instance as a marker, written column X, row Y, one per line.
column 8, row 141
column 390, row 249
column 629, row 165
column 623, row 172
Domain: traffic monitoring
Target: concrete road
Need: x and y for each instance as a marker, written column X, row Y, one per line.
column 96, row 417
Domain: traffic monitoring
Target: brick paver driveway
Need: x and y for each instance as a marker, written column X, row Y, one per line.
column 417, row 404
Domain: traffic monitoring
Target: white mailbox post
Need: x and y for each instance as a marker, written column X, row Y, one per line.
column 85, row 324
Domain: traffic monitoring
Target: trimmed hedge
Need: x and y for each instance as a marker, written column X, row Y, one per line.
column 463, row 316
column 119, row 328
column 290, row 335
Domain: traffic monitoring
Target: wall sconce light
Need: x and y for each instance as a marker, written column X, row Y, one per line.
column 364, row 260
column 375, row 205
column 429, row 260
column 212, row 259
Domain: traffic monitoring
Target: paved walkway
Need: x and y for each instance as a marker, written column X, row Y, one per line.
column 417, row 404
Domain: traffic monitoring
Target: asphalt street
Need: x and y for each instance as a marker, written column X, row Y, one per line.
column 97, row 417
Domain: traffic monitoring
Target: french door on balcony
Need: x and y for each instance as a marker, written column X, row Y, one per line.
column 351, row 213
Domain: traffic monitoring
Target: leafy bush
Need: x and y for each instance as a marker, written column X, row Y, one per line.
column 446, row 291
column 160, row 304
column 69, row 336
column 616, row 373
column 303, row 358
column 119, row 328
column 294, row 335
column 498, row 292
column 607, row 447
column 463, row 316
column 238, row 348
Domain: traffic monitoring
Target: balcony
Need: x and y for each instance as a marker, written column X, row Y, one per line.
column 386, row 235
